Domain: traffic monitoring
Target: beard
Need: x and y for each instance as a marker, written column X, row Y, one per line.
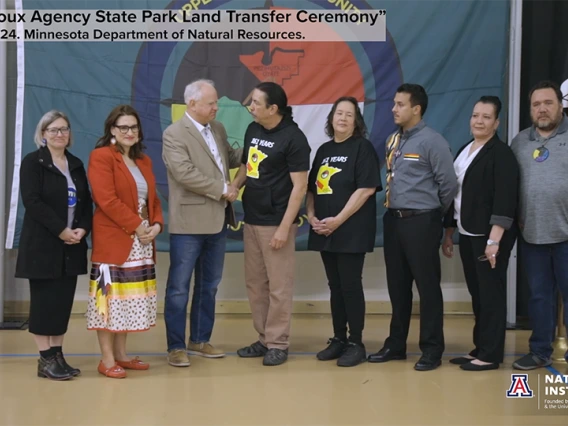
column 548, row 124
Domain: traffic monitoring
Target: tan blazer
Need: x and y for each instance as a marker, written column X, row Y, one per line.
column 196, row 205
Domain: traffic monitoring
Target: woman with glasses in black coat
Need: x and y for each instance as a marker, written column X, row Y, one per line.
column 53, row 247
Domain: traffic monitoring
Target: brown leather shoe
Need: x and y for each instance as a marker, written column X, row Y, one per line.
column 206, row 350
column 114, row 372
column 178, row 358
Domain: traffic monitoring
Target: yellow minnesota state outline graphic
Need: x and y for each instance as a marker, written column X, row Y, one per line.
column 325, row 173
column 255, row 157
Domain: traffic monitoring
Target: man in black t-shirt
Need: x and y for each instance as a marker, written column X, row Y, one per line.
column 275, row 164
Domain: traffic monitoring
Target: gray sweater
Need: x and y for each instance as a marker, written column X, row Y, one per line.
column 543, row 215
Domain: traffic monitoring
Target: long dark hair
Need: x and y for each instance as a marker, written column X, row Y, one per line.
column 360, row 127
column 136, row 151
column 275, row 95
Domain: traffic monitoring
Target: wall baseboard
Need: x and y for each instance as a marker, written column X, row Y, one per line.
column 21, row 308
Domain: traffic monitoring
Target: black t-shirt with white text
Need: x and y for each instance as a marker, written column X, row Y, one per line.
column 338, row 170
column 270, row 156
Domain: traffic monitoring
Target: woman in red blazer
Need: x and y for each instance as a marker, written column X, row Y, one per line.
column 127, row 219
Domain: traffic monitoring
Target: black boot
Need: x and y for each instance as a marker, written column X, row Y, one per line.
column 51, row 369
column 61, row 360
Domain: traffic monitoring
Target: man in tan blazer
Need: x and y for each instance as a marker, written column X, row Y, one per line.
column 198, row 157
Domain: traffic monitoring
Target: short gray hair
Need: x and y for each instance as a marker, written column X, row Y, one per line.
column 46, row 120
column 193, row 91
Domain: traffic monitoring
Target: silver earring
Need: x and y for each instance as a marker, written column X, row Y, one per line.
column 113, row 141
column 44, row 141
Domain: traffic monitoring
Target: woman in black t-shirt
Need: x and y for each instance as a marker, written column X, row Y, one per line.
column 342, row 213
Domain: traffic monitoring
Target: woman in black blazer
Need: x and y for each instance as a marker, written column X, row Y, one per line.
column 53, row 248
column 484, row 211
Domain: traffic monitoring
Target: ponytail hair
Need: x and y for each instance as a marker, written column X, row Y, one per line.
column 275, row 95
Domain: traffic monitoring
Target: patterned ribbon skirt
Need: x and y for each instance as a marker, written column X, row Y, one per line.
column 122, row 298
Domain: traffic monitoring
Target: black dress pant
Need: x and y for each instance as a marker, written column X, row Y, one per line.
column 411, row 247
column 488, row 289
column 345, row 277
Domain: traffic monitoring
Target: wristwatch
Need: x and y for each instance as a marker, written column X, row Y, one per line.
column 490, row 242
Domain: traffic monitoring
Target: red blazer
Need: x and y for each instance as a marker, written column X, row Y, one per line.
column 116, row 200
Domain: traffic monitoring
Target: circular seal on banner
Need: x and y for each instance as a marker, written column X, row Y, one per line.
column 313, row 74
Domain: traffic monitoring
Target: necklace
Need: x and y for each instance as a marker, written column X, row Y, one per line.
column 541, row 153
column 401, row 143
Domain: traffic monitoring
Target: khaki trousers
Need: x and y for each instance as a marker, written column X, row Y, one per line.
column 269, row 276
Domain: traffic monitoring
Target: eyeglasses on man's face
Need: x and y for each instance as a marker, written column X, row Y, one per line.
column 124, row 129
column 53, row 131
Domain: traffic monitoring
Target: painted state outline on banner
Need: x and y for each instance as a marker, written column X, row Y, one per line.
column 314, row 75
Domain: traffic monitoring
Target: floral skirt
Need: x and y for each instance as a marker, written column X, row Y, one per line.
column 123, row 298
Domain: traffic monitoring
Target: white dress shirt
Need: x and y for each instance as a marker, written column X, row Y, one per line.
column 461, row 165
column 210, row 140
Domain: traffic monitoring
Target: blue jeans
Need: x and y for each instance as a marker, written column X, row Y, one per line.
column 206, row 254
column 546, row 266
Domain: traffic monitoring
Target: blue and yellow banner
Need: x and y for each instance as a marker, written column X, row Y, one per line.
column 456, row 49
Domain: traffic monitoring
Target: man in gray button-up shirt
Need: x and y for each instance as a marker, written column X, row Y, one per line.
column 424, row 176
column 421, row 185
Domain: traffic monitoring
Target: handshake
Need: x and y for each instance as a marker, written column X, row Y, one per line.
column 231, row 194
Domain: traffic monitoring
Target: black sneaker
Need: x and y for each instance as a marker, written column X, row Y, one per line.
column 354, row 355
column 256, row 350
column 333, row 351
column 531, row 362
column 275, row 357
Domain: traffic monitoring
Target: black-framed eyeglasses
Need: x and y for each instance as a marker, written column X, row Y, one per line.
column 53, row 131
column 484, row 258
column 124, row 129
